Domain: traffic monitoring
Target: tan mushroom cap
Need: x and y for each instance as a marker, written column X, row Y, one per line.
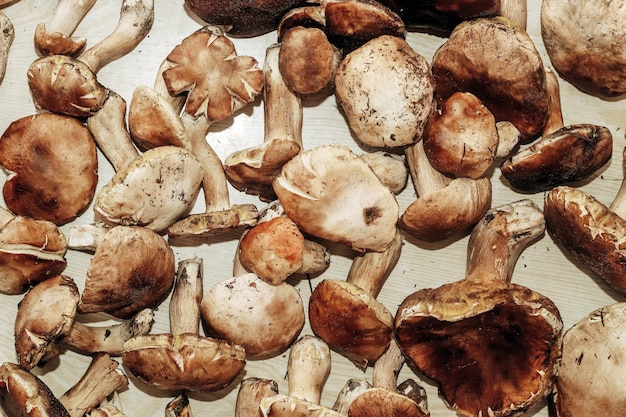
column 183, row 362
column 591, row 364
column 380, row 402
column 504, row 70
column 331, row 193
column 31, row 251
column 262, row 318
column 43, row 154
column 132, row 268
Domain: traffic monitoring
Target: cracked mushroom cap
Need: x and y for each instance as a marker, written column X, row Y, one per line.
column 504, row 70
column 44, row 153
column 331, row 193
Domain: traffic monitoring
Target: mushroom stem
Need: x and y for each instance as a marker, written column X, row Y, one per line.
column 54, row 38
column 555, row 120
column 186, row 297
column 103, row 377
column 516, row 10
column 350, row 391
column 136, row 17
column 251, row 391
column 387, row 368
column 500, row 237
column 308, row 368
column 618, row 205
column 7, row 36
column 5, row 217
column 179, row 406
column 426, row 179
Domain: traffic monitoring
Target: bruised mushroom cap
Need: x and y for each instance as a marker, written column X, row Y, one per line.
column 592, row 359
column 589, row 230
column 43, row 154
column 132, row 268
column 504, row 70
column 385, row 89
column 331, row 193
column 586, row 44
column 183, row 362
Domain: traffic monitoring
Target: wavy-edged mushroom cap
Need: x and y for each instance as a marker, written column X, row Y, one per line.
column 591, row 360
column 262, row 318
column 504, row 70
column 132, row 268
column 331, row 193
column 385, row 88
column 31, row 251
column 43, row 153
column 585, row 41
column 466, row 334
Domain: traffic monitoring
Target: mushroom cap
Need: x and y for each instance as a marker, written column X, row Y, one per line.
column 350, row 320
column 132, row 268
column 31, row 251
column 570, row 154
column 56, row 43
column 183, row 362
column 331, row 193
column 465, row 335
column 461, row 139
column 591, row 363
column 586, row 44
column 380, row 402
column 444, row 212
column 44, row 153
column 370, row 84
column 281, row 405
column 504, row 70
column 589, row 230
column 65, row 85
column 262, row 318
column 203, row 225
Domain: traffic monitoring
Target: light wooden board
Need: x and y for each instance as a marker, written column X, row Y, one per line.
column 542, row 267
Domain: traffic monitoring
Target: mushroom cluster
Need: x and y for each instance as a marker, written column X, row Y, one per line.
column 187, row 260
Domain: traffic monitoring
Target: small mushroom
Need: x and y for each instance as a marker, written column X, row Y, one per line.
column 464, row 335
column 43, row 153
column 55, row 38
column 66, row 85
column 565, row 154
column 251, row 391
column 385, row 88
column 445, row 206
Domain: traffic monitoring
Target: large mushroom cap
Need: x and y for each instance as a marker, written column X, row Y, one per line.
column 43, row 154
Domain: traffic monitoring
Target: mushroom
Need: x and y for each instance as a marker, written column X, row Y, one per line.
column 218, row 83
column 55, row 38
column 6, row 40
column 445, row 206
column 505, row 71
column 464, row 335
column 350, row 390
column 183, row 360
column 585, row 42
column 42, row 154
column 179, row 406
column 385, row 88
column 251, row 391
column 254, row 169
column 307, row 371
column 22, row 393
column 390, row 168
column 346, row 314
column 356, row 210
column 62, row 84
column 31, row 251
column 592, row 357
column 153, row 189
column 565, row 154
column 245, row 310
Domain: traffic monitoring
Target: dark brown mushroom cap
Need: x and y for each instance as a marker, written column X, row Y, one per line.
column 44, row 154
column 350, row 320
column 56, row 43
column 570, row 154
column 585, row 41
column 31, row 251
column 380, row 402
column 132, row 269
column 588, row 229
column 473, row 331
column 65, row 85
column 183, row 362
column 497, row 62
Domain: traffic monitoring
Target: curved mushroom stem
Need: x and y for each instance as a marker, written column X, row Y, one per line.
column 136, row 17
column 426, row 179
column 7, row 36
column 618, row 205
column 308, row 368
column 251, row 391
column 516, row 10
column 186, row 297
column 500, row 237
column 55, row 37
column 555, row 121
column 388, row 367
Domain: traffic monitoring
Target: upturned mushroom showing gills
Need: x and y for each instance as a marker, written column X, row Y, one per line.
column 42, row 154
column 331, row 193
column 385, row 89
column 490, row 345
column 504, row 70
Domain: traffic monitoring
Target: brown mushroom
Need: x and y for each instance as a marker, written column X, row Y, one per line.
column 350, row 390
column 55, row 38
column 43, row 153
column 251, row 391
column 465, row 335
